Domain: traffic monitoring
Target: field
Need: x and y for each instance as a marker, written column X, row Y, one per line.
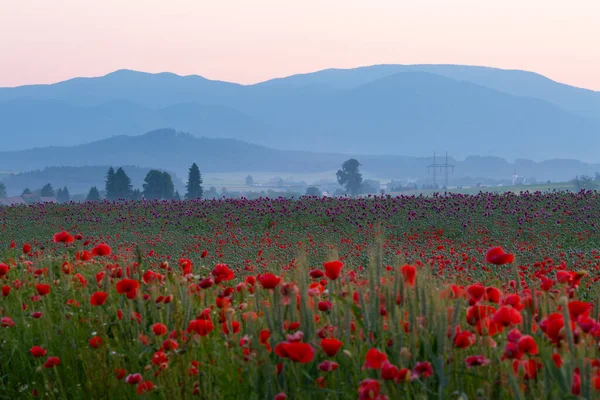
column 370, row 298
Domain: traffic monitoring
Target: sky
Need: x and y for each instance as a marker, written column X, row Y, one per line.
column 248, row 41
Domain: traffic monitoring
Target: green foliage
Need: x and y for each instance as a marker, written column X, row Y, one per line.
column 350, row 177
column 194, row 183
column 63, row 196
column 47, row 191
column 2, row 190
column 585, row 182
column 158, row 185
column 118, row 185
column 93, row 194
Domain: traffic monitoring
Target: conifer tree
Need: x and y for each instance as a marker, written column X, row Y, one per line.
column 93, row 194
column 194, row 183
column 111, row 193
column 62, row 195
column 47, row 191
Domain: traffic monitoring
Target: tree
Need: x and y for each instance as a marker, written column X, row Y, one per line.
column 118, row 185
column 350, row 177
column 63, row 196
column 47, row 191
column 584, row 182
column 111, row 193
column 158, row 185
column 177, row 196
column 194, row 183
column 312, row 191
column 26, row 191
column 2, row 190
column 249, row 180
column 93, row 194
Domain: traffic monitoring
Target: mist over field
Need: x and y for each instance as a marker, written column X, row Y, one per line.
column 499, row 127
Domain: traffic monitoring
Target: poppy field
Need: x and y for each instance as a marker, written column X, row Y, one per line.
column 491, row 296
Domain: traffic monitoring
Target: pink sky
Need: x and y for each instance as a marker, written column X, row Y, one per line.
column 246, row 41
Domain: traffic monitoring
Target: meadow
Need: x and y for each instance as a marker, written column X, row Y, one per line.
column 487, row 296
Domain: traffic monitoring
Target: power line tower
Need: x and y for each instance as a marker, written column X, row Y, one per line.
column 442, row 167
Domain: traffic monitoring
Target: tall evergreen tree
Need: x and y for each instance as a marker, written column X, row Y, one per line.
column 123, row 188
column 47, row 191
column 194, row 183
column 93, row 194
column 26, row 191
column 111, row 192
column 177, row 196
column 2, row 190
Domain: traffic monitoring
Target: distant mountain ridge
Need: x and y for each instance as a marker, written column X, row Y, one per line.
column 173, row 151
column 382, row 109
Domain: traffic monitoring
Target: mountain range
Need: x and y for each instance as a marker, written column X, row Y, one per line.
column 174, row 151
column 379, row 110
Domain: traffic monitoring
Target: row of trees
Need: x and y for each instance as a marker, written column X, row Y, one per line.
column 157, row 185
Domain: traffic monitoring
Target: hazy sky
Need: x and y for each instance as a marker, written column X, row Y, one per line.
column 44, row 41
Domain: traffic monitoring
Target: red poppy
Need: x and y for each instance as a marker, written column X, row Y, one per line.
column 369, row 389
column 464, row 339
column 331, row 346
column 493, row 294
column 578, row 309
column 37, row 351
column 333, row 269
column 204, row 253
column 269, row 281
column 133, row 379
column 144, row 387
column 497, row 256
column 552, row 326
column 98, row 298
column 316, row 274
column 159, row 329
column 280, row 396
column 234, row 325
column 409, row 273
column 296, row 351
column 506, row 316
column 101, row 250
column 328, row 366
column 527, row 344
column 95, row 342
column 513, row 300
column 62, row 237
column 374, row 359
column 52, row 362
column 478, row 312
column 3, row 269
column 423, row 369
column 476, row 292
column 200, row 326
column 26, row 248
column 42, row 288
column 129, row 287
column 222, row 273
column 475, row 361
column 6, row 322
